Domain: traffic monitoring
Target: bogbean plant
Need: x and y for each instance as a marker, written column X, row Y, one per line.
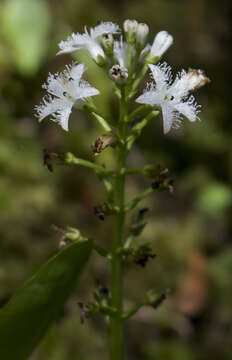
column 126, row 57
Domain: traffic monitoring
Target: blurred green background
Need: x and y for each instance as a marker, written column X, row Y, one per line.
column 190, row 230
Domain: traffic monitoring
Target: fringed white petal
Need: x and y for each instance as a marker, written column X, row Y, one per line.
column 86, row 91
column 62, row 117
column 188, row 108
column 74, row 42
column 75, row 71
column 182, row 85
column 162, row 75
column 171, row 119
column 55, row 85
column 120, row 52
column 151, row 97
column 81, row 42
column 49, row 106
column 104, row 28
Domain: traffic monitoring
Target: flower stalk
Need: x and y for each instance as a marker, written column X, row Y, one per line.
column 117, row 323
column 126, row 60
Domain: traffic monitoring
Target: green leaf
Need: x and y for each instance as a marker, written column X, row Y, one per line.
column 30, row 312
column 214, row 198
column 25, row 25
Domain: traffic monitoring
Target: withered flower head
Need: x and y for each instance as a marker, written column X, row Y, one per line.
column 142, row 254
column 162, row 181
column 197, row 78
column 102, row 142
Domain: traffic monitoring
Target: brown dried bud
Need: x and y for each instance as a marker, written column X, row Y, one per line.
column 99, row 212
column 103, row 210
column 142, row 254
column 47, row 159
column 163, row 182
column 85, row 311
column 197, row 79
column 118, row 73
column 102, row 142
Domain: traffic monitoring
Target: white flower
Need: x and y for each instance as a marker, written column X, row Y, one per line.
column 120, row 52
column 171, row 97
column 161, row 43
column 65, row 90
column 89, row 41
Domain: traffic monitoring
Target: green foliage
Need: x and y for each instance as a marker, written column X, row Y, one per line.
column 170, row 351
column 215, row 198
column 25, row 25
column 30, row 312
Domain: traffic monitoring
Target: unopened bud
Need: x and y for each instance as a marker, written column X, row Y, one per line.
column 118, row 73
column 154, row 299
column 161, row 43
column 142, row 33
column 107, row 41
column 130, row 28
column 73, row 234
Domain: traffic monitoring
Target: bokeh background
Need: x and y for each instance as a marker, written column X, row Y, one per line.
column 190, row 230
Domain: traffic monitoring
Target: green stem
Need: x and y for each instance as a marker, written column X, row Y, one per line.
column 132, row 171
column 139, row 79
column 71, row 159
column 129, row 313
column 137, row 129
column 138, row 112
column 117, row 323
column 132, row 204
column 129, row 58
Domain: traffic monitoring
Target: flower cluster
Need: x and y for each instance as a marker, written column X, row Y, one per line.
column 123, row 57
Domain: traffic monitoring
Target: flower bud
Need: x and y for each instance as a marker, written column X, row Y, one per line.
column 142, row 33
column 161, row 43
column 107, row 42
column 130, row 28
column 73, row 234
column 118, row 73
column 155, row 299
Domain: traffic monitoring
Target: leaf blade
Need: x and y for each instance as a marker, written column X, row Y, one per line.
column 30, row 312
